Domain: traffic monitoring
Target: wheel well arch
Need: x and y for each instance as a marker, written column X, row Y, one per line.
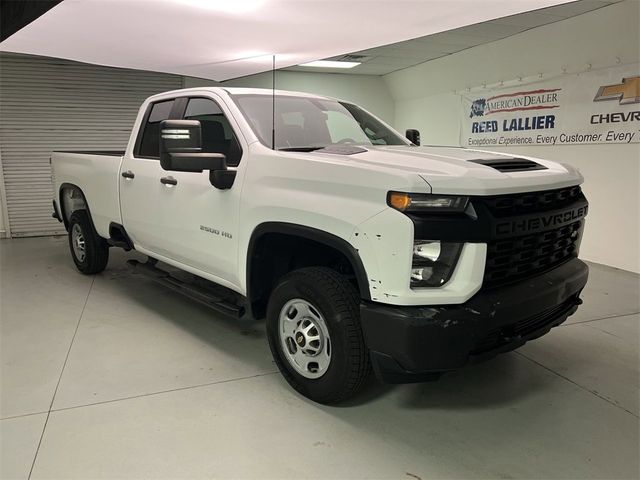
column 276, row 248
column 72, row 198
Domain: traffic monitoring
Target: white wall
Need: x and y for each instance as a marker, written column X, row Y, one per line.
column 425, row 99
column 370, row 92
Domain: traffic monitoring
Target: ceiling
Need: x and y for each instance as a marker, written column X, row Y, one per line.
column 396, row 56
column 224, row 39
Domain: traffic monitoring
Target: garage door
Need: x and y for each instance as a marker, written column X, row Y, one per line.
column 49, row 104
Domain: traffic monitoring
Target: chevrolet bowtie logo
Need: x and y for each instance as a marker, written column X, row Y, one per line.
column 626, row 92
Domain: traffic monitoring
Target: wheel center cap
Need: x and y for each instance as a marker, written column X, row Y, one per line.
column 300, row 339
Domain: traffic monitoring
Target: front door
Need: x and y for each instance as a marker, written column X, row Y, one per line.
column 198, row 223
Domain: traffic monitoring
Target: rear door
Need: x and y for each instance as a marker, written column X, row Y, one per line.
column 140, row 174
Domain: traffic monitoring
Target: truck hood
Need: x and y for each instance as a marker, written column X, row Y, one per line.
column 457, row 171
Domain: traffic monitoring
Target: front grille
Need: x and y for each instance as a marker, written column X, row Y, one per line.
column 518, row 257
column 524, row 203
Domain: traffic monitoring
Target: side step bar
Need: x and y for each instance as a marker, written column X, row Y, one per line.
column 195, row 292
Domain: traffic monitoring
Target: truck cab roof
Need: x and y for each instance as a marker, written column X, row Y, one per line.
column 241, row 91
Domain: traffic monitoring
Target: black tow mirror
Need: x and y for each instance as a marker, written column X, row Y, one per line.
column 181, row 148
column 413, row 136
column 181, row 151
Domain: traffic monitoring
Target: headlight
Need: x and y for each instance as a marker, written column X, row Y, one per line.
column 423, row 202
column 433, row 262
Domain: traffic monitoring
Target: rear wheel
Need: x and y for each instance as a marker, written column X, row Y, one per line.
column 313, row 326
column 90, row 252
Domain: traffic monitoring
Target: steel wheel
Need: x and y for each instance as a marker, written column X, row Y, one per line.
column 313, row 327
column 78, row 242
column 305, row 338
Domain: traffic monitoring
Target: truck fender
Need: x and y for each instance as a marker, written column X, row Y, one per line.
column 320, row 237
column 72, row 201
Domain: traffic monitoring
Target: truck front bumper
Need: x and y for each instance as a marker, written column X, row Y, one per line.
column 411, row 344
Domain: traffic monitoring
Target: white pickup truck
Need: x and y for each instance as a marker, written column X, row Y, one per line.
column 360, row 248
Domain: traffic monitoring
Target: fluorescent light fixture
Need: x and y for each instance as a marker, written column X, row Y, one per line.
column 226, row 6
column 330, row 64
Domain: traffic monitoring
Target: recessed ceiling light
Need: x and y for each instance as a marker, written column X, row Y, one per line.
column 330, row 64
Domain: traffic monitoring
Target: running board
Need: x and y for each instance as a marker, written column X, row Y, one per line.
column 194, row 292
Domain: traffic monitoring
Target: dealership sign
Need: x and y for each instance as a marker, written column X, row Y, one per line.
column 592, row 107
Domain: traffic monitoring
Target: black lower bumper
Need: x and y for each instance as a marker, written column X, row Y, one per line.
column 410, row 344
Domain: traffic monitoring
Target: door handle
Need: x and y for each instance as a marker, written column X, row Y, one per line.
column 168, row 181
column 128, row 174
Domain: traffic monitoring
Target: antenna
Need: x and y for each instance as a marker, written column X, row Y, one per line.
column 273, row 104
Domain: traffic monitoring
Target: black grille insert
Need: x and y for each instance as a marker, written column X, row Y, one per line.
column 524, row 203
column 519, row 257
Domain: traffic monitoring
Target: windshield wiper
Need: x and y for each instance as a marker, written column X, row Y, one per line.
column 300, row 149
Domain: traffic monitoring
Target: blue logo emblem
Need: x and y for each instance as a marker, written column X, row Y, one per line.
column 478, row 107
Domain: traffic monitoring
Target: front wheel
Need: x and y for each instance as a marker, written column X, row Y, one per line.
column 313, row 326
column 90, row 252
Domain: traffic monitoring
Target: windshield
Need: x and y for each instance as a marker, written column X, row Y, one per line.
column 307, row 124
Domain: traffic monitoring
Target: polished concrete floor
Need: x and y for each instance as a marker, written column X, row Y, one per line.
column 113, row 376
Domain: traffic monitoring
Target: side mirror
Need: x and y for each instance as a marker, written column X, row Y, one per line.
column 181, row 151
column 181, row 148
column 413, row 136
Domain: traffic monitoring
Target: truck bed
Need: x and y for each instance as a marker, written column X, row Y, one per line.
column 97, row 174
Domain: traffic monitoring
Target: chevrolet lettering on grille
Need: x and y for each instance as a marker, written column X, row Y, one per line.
column 539, row 223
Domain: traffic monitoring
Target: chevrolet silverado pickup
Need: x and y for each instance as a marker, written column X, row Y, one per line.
column 359, row 248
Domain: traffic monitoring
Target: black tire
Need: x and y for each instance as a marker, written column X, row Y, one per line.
column 338, row 302
column 96, row 248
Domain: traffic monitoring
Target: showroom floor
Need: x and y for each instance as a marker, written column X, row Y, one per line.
column 129, row 380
